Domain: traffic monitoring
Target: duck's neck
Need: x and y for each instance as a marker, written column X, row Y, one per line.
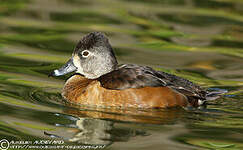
column 100, row 73
column 106, row 68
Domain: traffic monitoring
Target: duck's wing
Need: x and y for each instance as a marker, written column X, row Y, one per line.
column 131, row 76
column 182, row 85
column 194, row 93
column 135, row 76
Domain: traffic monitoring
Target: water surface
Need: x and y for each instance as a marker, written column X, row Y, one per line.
column 200, row 40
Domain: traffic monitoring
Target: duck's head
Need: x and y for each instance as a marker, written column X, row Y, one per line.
column 92, row 57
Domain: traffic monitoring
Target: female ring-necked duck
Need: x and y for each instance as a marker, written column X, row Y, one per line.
column 100, row 81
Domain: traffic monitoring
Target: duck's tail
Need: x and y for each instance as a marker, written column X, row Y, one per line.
column 212, row 94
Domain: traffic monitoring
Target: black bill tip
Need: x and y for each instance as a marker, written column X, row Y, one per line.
column 51, row 74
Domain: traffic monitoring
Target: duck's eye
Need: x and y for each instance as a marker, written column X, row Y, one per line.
column 85, row 53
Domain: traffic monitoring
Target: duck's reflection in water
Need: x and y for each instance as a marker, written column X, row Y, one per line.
column 92, row 131
column 105, row 126
column 148, row 116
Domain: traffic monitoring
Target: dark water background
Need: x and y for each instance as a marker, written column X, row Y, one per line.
column 201, row 40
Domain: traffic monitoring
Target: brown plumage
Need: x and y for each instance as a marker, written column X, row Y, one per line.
column 101, row 82
column 81, row 90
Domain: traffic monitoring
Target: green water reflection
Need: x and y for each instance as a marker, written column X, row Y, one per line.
column 200, row 40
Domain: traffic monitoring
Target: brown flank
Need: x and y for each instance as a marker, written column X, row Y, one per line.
column 81, row 90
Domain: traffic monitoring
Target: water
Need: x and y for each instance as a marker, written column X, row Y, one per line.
column 200, row 40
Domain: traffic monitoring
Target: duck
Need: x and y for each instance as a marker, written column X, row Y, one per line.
column 99, row 80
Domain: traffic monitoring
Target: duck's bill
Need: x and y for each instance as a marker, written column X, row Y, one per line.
column 65, row 69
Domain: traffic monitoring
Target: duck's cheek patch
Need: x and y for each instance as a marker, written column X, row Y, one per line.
column 76, row 62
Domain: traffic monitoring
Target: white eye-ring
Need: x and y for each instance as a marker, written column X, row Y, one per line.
column 85, row 53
